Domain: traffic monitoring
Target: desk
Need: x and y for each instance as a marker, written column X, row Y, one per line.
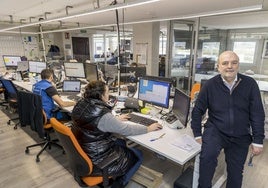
column 263, row 85
column 164, row 147
column 24, row 85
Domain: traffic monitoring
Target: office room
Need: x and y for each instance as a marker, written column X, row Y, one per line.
column 169, row 41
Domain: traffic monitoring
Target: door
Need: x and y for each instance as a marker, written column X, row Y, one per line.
column 80, row 48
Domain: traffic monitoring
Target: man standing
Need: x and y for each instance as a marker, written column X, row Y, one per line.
column 235, row 121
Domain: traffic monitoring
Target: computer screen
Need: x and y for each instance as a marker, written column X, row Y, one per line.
column 75, row 70
column 155, row 92
column 11, row 61
column 71, row 86
column 37, row 66
column 23, row 66
column 181, row 106
column 91, row 71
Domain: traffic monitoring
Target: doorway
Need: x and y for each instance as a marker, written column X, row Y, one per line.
column 80, row 48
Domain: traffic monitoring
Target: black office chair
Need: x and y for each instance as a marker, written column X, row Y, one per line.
column 11, row 97
column 31, row 113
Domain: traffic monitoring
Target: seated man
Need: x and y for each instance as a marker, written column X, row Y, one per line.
column 49, row 94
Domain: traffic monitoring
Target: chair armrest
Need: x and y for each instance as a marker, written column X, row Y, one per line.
column 108, row 160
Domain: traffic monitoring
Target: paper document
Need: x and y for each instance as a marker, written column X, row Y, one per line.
column 186, row 143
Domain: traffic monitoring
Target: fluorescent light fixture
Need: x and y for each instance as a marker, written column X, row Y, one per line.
column 97, row 11
column 199, row 15
column 22, row 32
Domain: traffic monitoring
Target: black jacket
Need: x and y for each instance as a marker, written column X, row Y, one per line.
column 97, row 144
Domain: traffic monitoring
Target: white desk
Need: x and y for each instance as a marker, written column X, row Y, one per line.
column 179, row 72
column 164, row 147
column 24, row 85
column 263, row 85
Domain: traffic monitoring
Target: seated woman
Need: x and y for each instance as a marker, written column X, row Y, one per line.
column 93, row 128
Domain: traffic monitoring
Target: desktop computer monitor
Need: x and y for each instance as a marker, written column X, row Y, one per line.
column 181, row 106
column 22, row 66
column 74, row 70
column 37, row 66
column 11, row 61
column 155, row 92
column 91, row 70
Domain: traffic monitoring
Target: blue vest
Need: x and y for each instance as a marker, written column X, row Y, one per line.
column 47, row 101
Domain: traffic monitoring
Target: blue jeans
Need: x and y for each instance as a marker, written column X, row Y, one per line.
column 126, row 178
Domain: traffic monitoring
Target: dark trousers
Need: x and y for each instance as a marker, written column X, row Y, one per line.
column 235, row 149
column 128, row 175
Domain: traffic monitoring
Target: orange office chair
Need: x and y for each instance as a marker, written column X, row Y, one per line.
column 31, row 113
column 195, row 90
column 79, row 162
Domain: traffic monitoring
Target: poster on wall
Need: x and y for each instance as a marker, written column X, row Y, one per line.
column 265, row 49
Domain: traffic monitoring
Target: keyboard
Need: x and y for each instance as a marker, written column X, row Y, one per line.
column 74, row 97
column 67, row 93
column 141, row 120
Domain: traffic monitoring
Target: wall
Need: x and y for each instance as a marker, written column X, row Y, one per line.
column 22, row 45
column 148, row 34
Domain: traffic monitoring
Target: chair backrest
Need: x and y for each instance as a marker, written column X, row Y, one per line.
column 31, row 111
column 195, row 90
column 10, row 88
column 79, row 162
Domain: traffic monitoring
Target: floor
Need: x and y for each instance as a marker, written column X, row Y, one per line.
column 19, row 170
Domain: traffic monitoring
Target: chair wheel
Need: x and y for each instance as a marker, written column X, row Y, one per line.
column 8, row 122
column 15, row 127
column 37, row 159
column 26, row 150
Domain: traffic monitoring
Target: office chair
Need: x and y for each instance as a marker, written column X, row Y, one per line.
column 195, row 90
column 11, row 98
column 79, row 162
column 31, row 113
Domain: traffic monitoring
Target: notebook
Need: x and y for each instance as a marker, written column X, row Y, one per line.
column 71, row 87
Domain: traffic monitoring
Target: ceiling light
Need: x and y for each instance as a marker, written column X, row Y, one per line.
column 203, row 14
column 97, row 11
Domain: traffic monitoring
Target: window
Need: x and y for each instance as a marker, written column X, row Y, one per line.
column 245, row 51
column 211, row 50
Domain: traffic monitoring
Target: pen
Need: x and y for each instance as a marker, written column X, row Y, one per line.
column 161, row 136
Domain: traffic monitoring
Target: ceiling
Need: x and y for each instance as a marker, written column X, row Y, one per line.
column 23, row 13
